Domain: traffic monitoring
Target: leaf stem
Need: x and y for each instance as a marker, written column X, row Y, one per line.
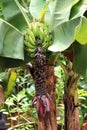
column 22, row 11
column 54, row 58
column 43, row 11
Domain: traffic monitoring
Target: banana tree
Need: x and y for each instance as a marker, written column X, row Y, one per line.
column 57, row 27
column 33, row 45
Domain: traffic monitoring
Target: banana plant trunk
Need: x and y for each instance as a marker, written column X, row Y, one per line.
column 49, row 121
column 71, row 101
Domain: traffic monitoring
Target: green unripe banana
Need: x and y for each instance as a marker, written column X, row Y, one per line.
column 29, row 50
column 48, row 38
column 41, row 33
column 30, row 40
column 45, row 45
column 37, row 35
column 34, row 29
column 29, row 45
column 31, row 35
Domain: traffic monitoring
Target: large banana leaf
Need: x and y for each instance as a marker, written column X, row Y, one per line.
column 2, row 0
column 62, row 12
column 1, row 15
column 11, row 83
column 78, row 9
column 64, row 22
column 11, row 41
column 80, row 58
column 64, row 35
column 37, row 5
column 66, row 10
column 13, row 14
column 81, row 31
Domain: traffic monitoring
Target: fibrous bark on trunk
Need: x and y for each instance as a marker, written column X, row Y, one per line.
column 71, row 100
column 49, row 121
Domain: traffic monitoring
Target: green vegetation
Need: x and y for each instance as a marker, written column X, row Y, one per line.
column 43, row 63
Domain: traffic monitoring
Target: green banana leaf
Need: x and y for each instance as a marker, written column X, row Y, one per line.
column 66, row 10
column 1, row 15
column 37, row 5
column 3, row 79
column 11, row 83
column 78, row 9
column 8, row 80
column 62, row 12
column 11, row 41
column 2, row 1
column 81, row 31
column 13, row 14
column 64, row 32
column 12, row 53
column 80, row 58
column 64, row 35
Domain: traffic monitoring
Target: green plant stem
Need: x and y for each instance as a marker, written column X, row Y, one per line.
column 64, row 68
column 54, row 59
column 65, row 71
column 19, row 125
column 43, row 11
column 24, row 4
column 25, row 119
column 18, row 112
column 10, row 116
column 16, row 126
column 24, row 14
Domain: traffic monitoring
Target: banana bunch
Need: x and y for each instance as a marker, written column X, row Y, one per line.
column 37, row 35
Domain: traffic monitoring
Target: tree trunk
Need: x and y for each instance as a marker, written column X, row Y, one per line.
column 71, row 101
column 49, row 121
column 71, row 115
